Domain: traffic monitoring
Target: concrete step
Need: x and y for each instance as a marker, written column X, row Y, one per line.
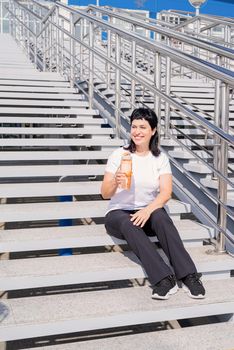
column 87, row 120
column 183, row 154
column 43, row 189
column 75, row 312
column 172, row 143
column 42, row 89
column 31, row 239
column 217, row 336
column 69, row 210
column 20, row 171
column 51, row 111
column 200, row 168
column 214, row 185
column 211, row 183
column 196, row 167
column 28, row 103
column 96, row 267
column 42, row 96
column 10, row 74
column 60, row 130
column 39, row 82
column 53, row 155
column 57, row 142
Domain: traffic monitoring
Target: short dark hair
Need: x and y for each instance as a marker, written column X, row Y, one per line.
column 150, row 116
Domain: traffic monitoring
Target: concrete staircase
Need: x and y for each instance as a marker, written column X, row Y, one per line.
column 53, row 154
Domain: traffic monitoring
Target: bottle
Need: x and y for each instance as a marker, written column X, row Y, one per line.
column 126, row 167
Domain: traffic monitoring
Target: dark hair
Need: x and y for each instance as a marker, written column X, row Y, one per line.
column 150, row 116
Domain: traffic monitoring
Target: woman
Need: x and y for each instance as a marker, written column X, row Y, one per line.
column 136, row 213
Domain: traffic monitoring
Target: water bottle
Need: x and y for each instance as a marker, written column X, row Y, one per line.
column 126, row 168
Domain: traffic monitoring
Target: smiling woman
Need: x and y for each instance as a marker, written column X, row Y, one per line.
column 138, row 212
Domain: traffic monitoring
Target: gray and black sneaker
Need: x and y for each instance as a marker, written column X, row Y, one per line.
column 164, row 288
column 193, row 286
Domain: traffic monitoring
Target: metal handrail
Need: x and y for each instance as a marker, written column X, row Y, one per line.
column 222, row 51
column 210, row 70
column 212, row 19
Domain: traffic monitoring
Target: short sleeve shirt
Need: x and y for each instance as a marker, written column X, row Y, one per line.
column 146, row 171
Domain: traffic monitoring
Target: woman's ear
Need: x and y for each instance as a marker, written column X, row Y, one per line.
column 154, row 131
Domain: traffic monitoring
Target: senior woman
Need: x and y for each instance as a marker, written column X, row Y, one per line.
column 134, row 214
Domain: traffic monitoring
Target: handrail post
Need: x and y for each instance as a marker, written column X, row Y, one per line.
column 167, row 90
column 62, row 48
column 108, row 66
column 50, row 46
column 133, row 82
column 44, row 48
column 227, row 38
column 82, row 24
column 157, row 83
column 91, row 64
column 223, row 165
column 117, row 84
column 217, row 113
column 72, row 52
column 57, row 50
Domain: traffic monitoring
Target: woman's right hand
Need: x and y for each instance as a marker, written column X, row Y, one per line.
column 120, row 178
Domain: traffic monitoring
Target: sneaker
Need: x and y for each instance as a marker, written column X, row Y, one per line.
column 164, row 288
column 193, row 286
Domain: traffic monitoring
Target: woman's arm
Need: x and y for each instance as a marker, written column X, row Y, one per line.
column 111, row 182
column 165, row 191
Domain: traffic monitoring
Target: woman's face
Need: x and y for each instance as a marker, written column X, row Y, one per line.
column 141, row 132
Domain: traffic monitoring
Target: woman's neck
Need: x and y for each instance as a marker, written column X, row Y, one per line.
column 142, row 152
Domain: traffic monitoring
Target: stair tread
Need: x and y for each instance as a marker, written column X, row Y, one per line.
column 51, row 170
column 44, row 142
column 219, row 336
column 108, row 308
column 64, row 210
column 43, row 189
column 34, row 75
column 84, row 236
column 54, row 120
column 94, row 130
column 25, row 82
column 198, row 168
column 44, row 89
column 85, row 266
column 56, row 103
column 40, row 155
column 38, row 95
column 51, row 111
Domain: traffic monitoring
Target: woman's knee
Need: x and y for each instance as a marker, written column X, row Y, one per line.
column 116, row 221
column 160, row 216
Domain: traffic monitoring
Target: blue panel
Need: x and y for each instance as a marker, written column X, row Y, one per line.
column 215, row 7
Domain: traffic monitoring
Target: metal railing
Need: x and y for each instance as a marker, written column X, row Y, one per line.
column 86, row 49
column 171, row 37
column 213, row 28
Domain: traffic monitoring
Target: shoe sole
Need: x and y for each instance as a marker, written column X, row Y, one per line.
column 173, row 290
column 199, row 296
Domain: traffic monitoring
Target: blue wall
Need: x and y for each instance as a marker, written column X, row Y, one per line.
column 215, row 7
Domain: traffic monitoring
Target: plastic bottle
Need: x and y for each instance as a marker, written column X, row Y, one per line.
column 126, row 167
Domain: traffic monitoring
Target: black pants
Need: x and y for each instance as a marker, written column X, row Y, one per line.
column 118, row 224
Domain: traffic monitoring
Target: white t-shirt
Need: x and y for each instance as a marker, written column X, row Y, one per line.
column 144, row 183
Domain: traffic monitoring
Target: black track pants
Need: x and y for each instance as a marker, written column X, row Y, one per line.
column 118, row 224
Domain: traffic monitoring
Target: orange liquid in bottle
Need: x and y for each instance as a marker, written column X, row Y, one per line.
column 126, row 168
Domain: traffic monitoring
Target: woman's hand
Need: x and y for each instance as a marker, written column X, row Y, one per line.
column 140, row 217
column 120, row 178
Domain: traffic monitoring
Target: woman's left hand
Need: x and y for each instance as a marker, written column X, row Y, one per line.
column 140, row 217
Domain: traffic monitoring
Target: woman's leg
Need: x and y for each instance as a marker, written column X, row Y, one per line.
column 171, row 243
column 118, row 224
